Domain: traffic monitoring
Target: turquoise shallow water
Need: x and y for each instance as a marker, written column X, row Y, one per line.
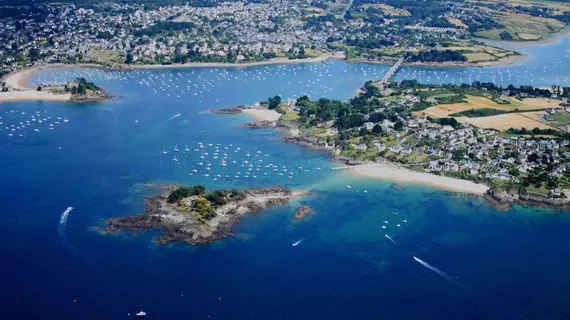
column 508, row 265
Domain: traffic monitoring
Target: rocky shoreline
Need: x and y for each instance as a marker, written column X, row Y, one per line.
column 263, row 124
column 502, row 200
column 100, row 96
column 178, row 225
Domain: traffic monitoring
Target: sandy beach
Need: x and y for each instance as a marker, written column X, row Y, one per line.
column 32, row 95
column 263, row 114
column 393, row 172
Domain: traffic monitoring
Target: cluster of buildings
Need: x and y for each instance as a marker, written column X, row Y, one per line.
column 246, row 31
column 461, row 150
column 476, row 152
column 70, row 33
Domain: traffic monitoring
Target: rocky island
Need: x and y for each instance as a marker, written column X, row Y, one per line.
column 302, row 212
column 80, row 89
column 194, row 216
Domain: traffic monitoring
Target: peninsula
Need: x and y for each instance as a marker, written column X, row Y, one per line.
column 511, row 143
column 194, row 216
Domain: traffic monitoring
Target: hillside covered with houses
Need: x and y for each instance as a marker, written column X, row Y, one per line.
column 388, row 124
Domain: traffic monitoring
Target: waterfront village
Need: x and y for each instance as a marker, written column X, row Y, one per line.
column 148, row 32
column 404, row 123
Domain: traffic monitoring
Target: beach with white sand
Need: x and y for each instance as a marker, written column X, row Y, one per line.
column 262, row 114
column 390, row 171
column 33, row 95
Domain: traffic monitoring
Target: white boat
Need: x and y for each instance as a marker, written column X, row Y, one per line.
column 141, row 314
column 298, row 242
column 164, row 151
column 176, row 148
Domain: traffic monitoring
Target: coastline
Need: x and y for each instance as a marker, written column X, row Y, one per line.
column 505, row 61
column 32, row 95
column 391, row 171
column 378, row 170
column 332, row 55
column 18, row 80
column 551, row 38
column 262, row 114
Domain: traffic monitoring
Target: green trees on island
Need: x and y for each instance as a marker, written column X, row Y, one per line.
column 81, row 86
column 273, row 102
column 184, row 192
column 202, row 202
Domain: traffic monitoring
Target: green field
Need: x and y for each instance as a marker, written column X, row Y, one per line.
column 522, row 27
column 106, row 56
column 561, row 117
column 290, row 116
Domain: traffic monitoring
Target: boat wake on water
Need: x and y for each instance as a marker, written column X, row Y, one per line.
column 392, row 240
column 436, row 270
column 173, row 117
column 298, row 242
column 63, row 218
column 61, row 227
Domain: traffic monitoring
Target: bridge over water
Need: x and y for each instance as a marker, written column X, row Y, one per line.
column 391, row 72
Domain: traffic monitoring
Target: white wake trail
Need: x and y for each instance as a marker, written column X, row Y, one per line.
column 63, row 218
column 173, row 117
column 392, row 240
column 298, row 242
column 61, row 227
column 436, row 270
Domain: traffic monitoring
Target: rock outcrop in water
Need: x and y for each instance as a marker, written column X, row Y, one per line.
column 232, row 110
column 263, row 124
column 302, row 212
column 189, row 214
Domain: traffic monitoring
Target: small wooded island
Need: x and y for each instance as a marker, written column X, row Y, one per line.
column 195, row 216
column 80, row 89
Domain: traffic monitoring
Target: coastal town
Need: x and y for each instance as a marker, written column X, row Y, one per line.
column 398, row 124
column 116, row 33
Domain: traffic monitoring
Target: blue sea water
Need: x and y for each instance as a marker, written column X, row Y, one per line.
column 500, row 265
